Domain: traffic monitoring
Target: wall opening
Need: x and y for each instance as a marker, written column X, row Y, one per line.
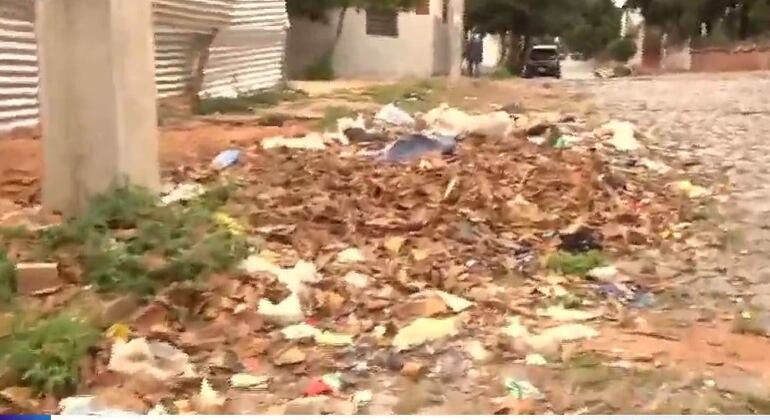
column 382, row 22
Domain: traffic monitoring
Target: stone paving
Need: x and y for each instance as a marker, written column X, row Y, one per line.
column 720, row 126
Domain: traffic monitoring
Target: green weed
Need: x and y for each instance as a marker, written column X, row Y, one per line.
column 15, row 232
column 247, row 102
column 501, row 73
column 7, row 277
column 323, row 69
column 47, row 354
column 420, row 96
column 127, row 242
column 575, row 264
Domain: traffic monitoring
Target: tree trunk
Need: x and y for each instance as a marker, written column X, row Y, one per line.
column 201, row 51
column 743, row 24
column 517, row 54
column 504, row 49
column 340, row 24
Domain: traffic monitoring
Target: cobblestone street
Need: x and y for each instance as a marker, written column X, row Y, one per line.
column 718, row 125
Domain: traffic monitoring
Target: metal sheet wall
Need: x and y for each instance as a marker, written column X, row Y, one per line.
column 247, row 53
column 18, row 65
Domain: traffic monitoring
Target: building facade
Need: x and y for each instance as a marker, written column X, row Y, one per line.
column 247, row 52
column 374, row 44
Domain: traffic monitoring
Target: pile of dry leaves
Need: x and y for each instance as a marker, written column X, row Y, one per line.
column 391, row 288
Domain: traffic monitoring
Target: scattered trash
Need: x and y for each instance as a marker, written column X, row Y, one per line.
column 287, row 312
column 623, row 136
column 232, row 225
column 294, row 278
column 424, row 330
column 346, row 125
column 515, row 329
column 559, row 313
column 37, row 278
column 312, row 141
column 582, row 240
column 628, row 294
column 394, row 115
column 565, row 142
column 333, row 380
column 226, row 159
column 318, row 387
column 453, row 122
column 88, row 405
column 351, row 256
column 549, row 337
column 417, row 145
column 691, row 190
column 332, row 339
column 182, row 192
column 455, row 303
column 447, row 120
column 658, row 167
column 118, row 332
column 362, row 398
column 535, row 359
column 157, row 359
column 476, row 350
column 300, row 331
column 250, row 382
column 158, row 410
column 208, row 400
column 522, row 389
column 568, row 332
column 357, row 279
column 603, row 274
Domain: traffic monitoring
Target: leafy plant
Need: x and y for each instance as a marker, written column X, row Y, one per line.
column 246, row 102
column 622, row 50
column 412, row 96
column 7, row 277
column 322, row 69
column 47, row 354
column 501, row 72
column 575, row 264
column 127, row 242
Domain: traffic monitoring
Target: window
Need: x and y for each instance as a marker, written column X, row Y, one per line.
column 382, row 22
column 423, row 8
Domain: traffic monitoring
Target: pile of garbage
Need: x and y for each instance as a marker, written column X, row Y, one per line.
column 398, row 251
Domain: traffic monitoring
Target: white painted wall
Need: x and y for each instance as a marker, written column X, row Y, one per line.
column 492, row 51
column 420, row 50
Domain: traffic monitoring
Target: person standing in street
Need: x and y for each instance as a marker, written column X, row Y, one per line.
column 475, row 53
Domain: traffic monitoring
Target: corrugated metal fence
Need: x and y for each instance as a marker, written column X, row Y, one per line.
column 247, row 52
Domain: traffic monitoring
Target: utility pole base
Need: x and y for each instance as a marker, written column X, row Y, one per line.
column 98, row 107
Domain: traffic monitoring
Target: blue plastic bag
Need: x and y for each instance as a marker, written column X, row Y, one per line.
column 414, row 146
column 225, row 159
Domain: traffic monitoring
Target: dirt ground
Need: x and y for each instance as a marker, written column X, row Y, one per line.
column 700, row 348
column 200, row 139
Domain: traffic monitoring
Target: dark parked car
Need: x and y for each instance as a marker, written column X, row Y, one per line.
column 543, row 60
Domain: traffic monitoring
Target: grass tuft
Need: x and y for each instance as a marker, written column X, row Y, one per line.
column 47, row 354
column 575, row 264
column 126, row 242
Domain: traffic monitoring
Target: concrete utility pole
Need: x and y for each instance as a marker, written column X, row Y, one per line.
column 97, row 98
column 456, row 38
